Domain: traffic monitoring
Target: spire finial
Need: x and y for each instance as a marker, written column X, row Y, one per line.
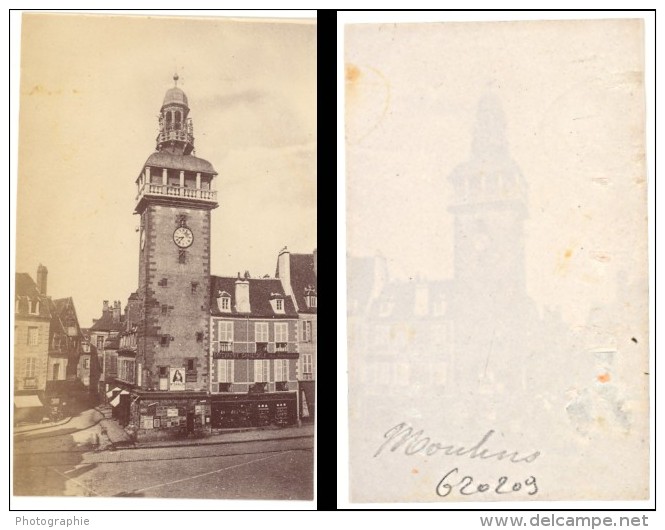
column 175, row 78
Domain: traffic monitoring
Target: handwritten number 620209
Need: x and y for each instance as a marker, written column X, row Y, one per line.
column 466, row 485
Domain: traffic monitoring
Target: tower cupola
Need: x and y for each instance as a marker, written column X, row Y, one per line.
column 176, row 132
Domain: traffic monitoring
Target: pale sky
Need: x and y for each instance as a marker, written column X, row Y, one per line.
column 91, row 90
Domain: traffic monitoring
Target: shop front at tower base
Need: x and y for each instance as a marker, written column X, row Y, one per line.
column 169, row 415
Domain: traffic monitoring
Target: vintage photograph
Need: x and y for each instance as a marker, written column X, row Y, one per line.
column 498, row 341
column 166, row 265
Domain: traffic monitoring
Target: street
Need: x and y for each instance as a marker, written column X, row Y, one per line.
column 52, row 462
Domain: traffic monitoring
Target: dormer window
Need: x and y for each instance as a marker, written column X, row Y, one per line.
column 277, row 302
column 33, row 307
column 223, row 302
column 310, row 297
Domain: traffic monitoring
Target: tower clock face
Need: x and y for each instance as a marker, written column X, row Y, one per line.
column 183, row 237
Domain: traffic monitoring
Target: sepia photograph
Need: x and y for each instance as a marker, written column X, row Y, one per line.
column 165, row 280
column 497, row 265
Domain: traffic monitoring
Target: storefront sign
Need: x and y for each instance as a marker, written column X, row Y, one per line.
column 172, row 413
column 255, row 355
column 146, row 422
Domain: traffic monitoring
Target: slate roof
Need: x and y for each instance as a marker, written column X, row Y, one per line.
column 25, row 285
column 184, row 162
column 260, row 293
column 64, row 308
column 56, row 322
column 302, row 277
column 105, row 323
column 26, row 289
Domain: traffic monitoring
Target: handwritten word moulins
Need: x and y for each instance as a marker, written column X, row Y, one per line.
column 402, row 437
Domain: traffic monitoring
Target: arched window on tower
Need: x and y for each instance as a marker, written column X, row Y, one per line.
column 177, row 117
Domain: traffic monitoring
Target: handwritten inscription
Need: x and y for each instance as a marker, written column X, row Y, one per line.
column 402, row 436
column 466, row 486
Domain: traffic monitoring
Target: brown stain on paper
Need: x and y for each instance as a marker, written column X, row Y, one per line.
column 368, row 95
column 562, row 264
column 352, row 73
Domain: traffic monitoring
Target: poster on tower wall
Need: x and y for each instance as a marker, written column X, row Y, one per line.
column 498, row 309
column 177, row 378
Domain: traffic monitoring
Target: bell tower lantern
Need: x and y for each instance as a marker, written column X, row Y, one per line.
column 176, row 133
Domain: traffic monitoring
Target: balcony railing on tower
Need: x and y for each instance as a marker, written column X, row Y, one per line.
column 176, row 135
column 176, row 191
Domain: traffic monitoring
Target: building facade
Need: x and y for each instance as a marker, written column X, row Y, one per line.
column 89, row 369
column 47, row 343
column 254, row 352
column 32, row 322
column 297, row 274
column 65, row 340
column 104, row 336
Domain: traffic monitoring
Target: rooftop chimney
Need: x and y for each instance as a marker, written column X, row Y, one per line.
column 284, row 273
column 42, row 274
column 242, row 295
column 116, row 311
column 105, row 307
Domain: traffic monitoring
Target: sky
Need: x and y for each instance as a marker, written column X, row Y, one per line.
column 91, row 90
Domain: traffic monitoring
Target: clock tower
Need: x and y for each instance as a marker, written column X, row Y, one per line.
column 495, row 321
column 174, row 200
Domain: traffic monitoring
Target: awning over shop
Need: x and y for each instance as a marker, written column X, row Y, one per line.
column 27, row 401
column 308, row 402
